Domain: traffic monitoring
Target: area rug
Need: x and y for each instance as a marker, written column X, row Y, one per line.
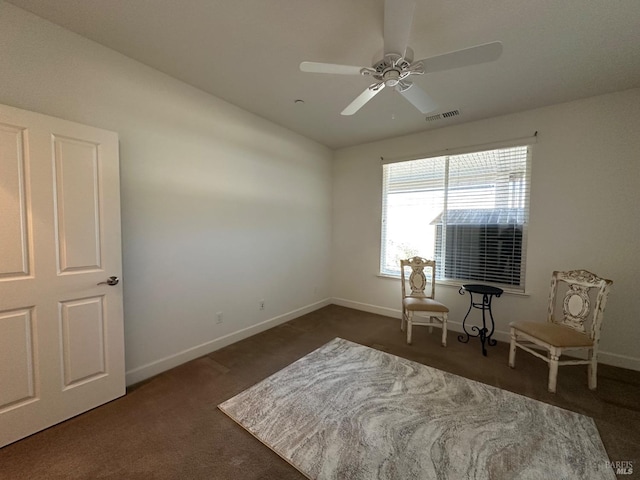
column 349, row 412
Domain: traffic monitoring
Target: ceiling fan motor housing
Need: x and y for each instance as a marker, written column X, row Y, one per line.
column 393, row 68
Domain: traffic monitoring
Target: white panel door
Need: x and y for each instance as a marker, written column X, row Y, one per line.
column 61, row 322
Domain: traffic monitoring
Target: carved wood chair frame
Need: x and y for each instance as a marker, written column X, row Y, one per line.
column 421, row 308
column 576, row 311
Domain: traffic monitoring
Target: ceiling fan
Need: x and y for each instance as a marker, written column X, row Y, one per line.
column 396, row 67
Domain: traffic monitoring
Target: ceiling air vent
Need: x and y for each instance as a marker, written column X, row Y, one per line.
column 440, row 116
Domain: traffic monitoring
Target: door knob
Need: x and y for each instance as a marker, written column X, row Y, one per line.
column 110, row 281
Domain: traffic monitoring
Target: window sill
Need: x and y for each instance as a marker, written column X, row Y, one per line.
column 449, row 283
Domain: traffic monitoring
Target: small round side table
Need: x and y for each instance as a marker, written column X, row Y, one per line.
column 484, row 333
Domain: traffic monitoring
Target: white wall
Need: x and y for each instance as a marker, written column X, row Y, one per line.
column 584, row 212
column 220, row 208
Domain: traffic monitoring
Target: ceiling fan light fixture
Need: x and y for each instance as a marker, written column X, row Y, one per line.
column 391, row 77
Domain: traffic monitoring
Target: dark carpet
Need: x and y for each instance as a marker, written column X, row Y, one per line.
column 168, row 427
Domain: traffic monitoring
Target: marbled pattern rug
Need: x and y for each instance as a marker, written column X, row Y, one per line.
column 348, row 412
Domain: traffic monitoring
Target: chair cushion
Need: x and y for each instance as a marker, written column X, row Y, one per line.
column 419, row 304
column 553, row 334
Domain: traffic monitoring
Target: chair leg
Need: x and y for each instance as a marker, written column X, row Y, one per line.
column 444, row 330
column 409, row 326
column 554, row 356
column 593, row 370
column 512, row 349
column 403, row 320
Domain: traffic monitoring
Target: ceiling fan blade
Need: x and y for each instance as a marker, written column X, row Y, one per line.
column 363, row 98
column 398, row 18
column 487, row 52
column 417, row 97
column 315, row 67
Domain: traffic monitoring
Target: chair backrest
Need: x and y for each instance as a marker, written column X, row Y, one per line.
column 584, row 296
column 422, row 274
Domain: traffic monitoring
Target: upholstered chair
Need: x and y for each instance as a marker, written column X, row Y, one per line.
column 574, row 320
column 419, row 306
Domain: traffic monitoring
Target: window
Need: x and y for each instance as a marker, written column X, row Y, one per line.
column 467, row 211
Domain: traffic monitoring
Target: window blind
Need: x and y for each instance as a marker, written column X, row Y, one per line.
column 468, row 212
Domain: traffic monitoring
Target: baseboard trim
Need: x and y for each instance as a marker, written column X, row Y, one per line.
column 395, row 313
column 617, row 360
column 366, row 307
column 154, row 368
column 607, row 358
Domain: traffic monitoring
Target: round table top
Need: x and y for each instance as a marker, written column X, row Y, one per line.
column 483, row 289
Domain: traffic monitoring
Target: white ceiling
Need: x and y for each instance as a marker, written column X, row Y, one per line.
column 248, row 51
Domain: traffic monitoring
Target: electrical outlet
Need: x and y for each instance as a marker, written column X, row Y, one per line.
column 261, row 304
column 219, row 317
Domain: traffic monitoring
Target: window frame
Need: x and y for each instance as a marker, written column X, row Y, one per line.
column 528, row 142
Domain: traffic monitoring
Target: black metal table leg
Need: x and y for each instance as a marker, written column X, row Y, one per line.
column 461, row 338
column 483, row 333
